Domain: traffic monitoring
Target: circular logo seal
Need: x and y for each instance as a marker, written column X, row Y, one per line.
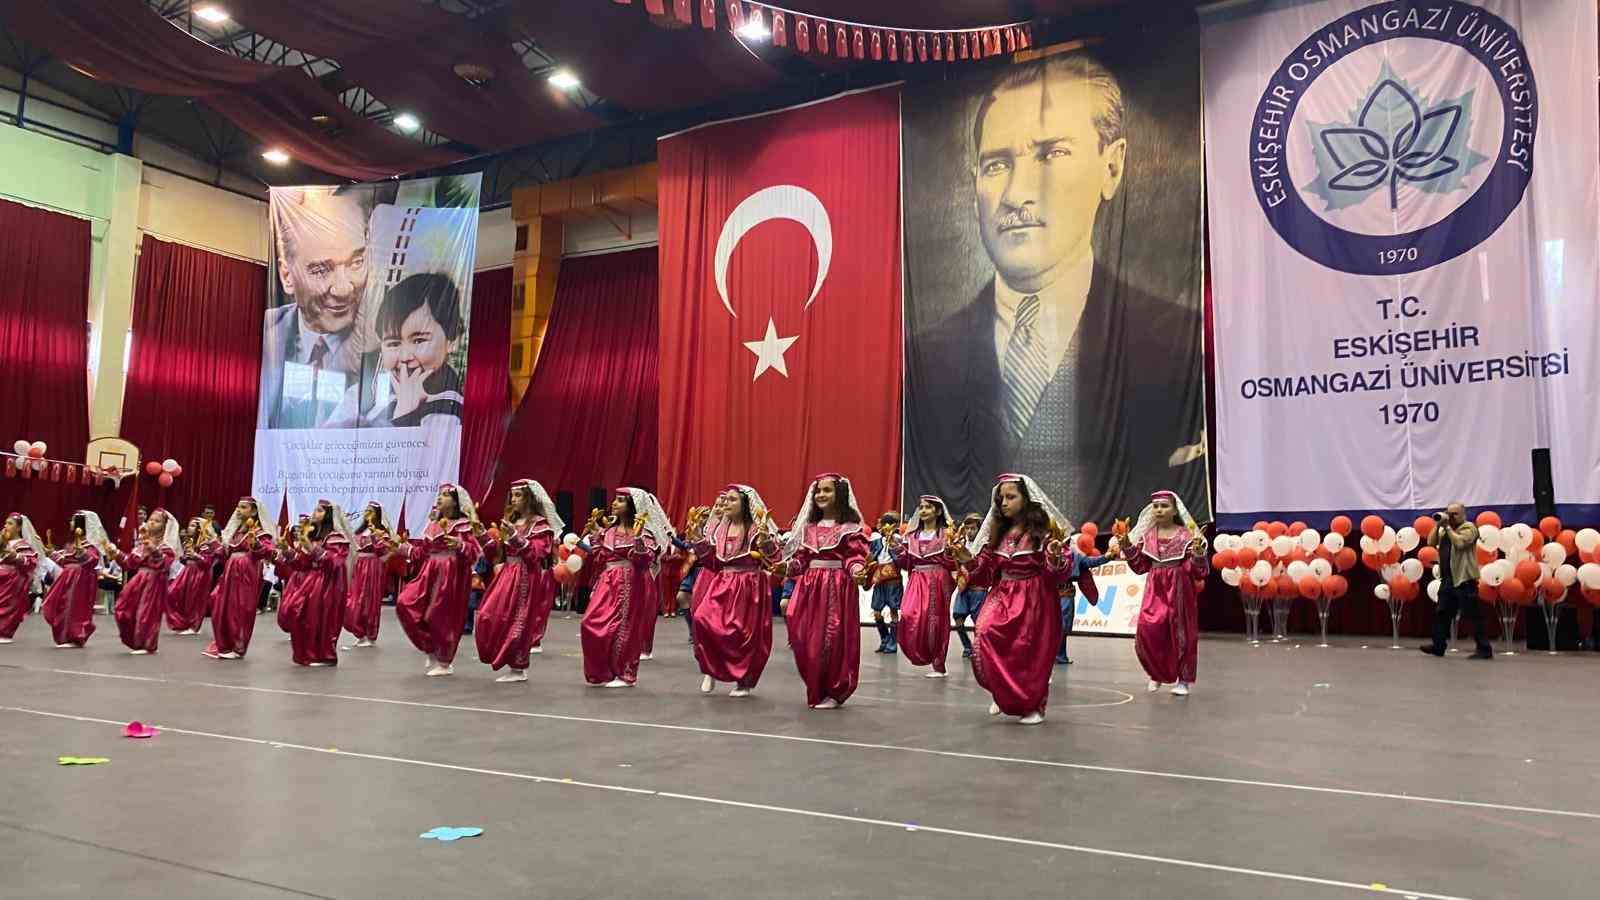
column 1396, row 137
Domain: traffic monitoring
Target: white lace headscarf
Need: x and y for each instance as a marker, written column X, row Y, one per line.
column 464, row 504
column 383, row 517
column 990, row 521
column 171, row 538
column 758, row 507
column 94, row 532
column 43, row 565
column 1147, row 519
column 797, row 529
column 546, row 505
column 917, row 523
column 645, row 503
column 236, row 523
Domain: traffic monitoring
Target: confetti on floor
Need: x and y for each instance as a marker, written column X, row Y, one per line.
column 81, row 760
column 137, row 729
column 449, row 833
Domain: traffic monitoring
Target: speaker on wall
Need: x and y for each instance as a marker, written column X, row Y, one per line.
column 1544, row 491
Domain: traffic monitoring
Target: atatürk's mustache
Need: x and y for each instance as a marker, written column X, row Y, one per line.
column 1018, row 218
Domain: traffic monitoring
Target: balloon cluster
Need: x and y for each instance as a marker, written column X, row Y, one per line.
column 164, row 472
column 1274, row 560
column 30, row 456
column 569, row 561
column 1519, row 564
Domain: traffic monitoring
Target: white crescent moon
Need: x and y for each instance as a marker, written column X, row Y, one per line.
column 783, row 201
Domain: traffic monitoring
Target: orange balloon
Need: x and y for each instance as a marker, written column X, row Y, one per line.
column 1296, row 527
column 1568, row 539
column 1429, row 556
column 1286, row 586
column 1086, row 545
column 1550, row 527
column 1372, row 561
column 1515, row 590
column 1552, row 589
column 1309, row 586
column 1535, row 541
column 1090, row 529
column 1246, row 557
column 1590, row 595
column 1262, row 525
column 1372, row 527
column 1527, row 572
column 1485, row 556
column 1330, row 587
column 1276, row 529
column 1488, row 517
column 1393, row 556
column 1224, row 559
column 1341, row 526
column 1487, row 591
column 1345, row 559
column 1298, row 555
column 1424, row 526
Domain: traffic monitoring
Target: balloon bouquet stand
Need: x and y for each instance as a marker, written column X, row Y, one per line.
column 1507, row 611
column 1280, row 618
column 1552, row 616
column 1252, row 616
column 1397, row 606
column 1324, row 602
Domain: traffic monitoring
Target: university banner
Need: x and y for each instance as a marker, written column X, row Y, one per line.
column 364, row 344
column 780, row 304
column 1053, row 260
column 1403, row 227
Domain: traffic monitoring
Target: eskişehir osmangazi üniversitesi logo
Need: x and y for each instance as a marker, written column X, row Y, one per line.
column 1395, row 137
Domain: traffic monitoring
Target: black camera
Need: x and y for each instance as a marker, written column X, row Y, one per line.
column 1439, row 517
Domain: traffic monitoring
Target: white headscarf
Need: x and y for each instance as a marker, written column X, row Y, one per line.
column 938, row 501
column 645, row 503
column 235, row 523
column 339, row 523
column 43, row 565
column 464, row 504
column 1147, row 519
column 171, row 538
column 758, row 507
column 797, row 529
column 94, row 533
column 545, row 503
column 990, row 521
column 383, row 517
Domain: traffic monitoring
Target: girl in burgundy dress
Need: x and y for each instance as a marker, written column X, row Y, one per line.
column 21, row 554
column 69, row 607
column 248, row 540
column 313, row 613
column 516, row 607
column 1168, row 549
column 143, row 602
column 733, row 621
column 625, row 553
column 924, row 553
column 374, row 542
column 432, row 607
column 826, row 551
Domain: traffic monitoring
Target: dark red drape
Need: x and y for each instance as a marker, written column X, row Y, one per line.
column 486, row 411
column 44, row 353
column 590, row 416
column 194, row 371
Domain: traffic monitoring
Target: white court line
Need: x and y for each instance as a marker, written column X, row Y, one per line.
column 784, row 810
column 863, row 745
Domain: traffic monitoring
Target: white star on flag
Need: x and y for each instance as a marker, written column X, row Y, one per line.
column 769, row 351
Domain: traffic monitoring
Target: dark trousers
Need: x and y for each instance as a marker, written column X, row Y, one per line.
column 1462, row 598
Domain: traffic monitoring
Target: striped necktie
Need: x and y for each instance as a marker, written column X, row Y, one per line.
column 1025, row 369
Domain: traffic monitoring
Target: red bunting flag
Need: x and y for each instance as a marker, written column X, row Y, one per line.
column 858, row 43
column 877, row 44
column 780, row 36
column 961, row 46
column 684, row 12
column 1024, row 37
column 922, row 48
column 655, row 7
column 735, row 15
column 841, row 42
column 938, row 48
column 802, row 35
column 708, row 13
column 822, row 38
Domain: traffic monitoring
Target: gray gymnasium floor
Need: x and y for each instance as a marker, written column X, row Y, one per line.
column 1292, row 771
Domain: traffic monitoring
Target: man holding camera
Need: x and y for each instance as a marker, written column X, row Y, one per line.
column 1457, row 541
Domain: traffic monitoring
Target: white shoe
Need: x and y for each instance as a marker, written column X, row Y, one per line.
column 6, row 640
column 707, row 685
column 431, row 664
column 229, row 655
column 138, row 652
column 617, row 683
column 935, row 674
column 739, row 692
column 64, row 646
column 363, row 643
column 1153, row 686
column 994, row 709
column 828, row 703
column 192, row 631
column 319, row 665
column 1032, row 718
column 439, row 670
column 644, row 657
column 512, row 676
column 1181, row 689
column 536, row 649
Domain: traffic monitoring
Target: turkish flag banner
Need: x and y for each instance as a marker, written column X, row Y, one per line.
column 780, row 304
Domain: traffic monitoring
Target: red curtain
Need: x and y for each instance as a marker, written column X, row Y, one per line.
column 590, row 416
column 44, row 353
column 486, row 411
column 194, row 372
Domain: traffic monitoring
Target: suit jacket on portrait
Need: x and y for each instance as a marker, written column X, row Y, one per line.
column 1127, row 394
column 280, row 337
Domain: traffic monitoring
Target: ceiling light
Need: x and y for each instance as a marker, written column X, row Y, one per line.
column 406, row 122
column 754, row 30
column 275, row 156
column 216, row 15
column 564, row 80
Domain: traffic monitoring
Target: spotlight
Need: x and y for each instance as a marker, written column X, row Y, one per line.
column 564, row 80
column 275, row 156
column 406, row 122
column 216, row 15
column 754, row 30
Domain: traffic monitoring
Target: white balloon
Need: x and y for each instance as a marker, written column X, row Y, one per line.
column 1489, row 537
column 1309, row 540
column 1381, row 592
column 1523, row 532
column 1546, row 571
column 1553, row 554
column 574, row 562
column 1282, row 545
column 1412, row 569
column 1387, row 540
column 1257, row 540
column 1298, row 570
column 39, row 464
column 1231, row 577
column 1408, row 539
column 1333, row 541
column 1494, row 576
column 1510, row 542
column 570, row 541
column 40, row 446
column 1261, row 573
column 1222, row 542
column 1321, row 568
column 1566, row 574
column 1433, row 590
column 21, row 447
column 1589, row 575
column 1516, row 555
column 1588, row 539
column 1435, row 570
column 1368, row 545
column 169, row 465
column 1389, row 573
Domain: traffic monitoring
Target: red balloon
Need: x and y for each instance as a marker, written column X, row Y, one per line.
column 1345, row 559
column 1086, row 544
column 1424, row 526
column 1569, row 540
column 1276, row 529
column 1245, row 557
column 1341, row 526
column 563, row 575
column 1535, row 541
column 1286, row 587
column 1260, row 526
column 1372, row 561
column 152, row 468
column 1296, row 527
column 165, row 480
column 1224, row 559
column 176, row 471
column 1592, row 596
column 1372, row 527
column 1090, row 529
column 1393, row 556
column 1488, row 517
column 1485, row 556
column 1342, row 588
column 1552, row 589
column 1515, row 590
column 1429, row 556
column 1527, row 572
column 1309, row 586
column 1550, row 527
column 1487, row 592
